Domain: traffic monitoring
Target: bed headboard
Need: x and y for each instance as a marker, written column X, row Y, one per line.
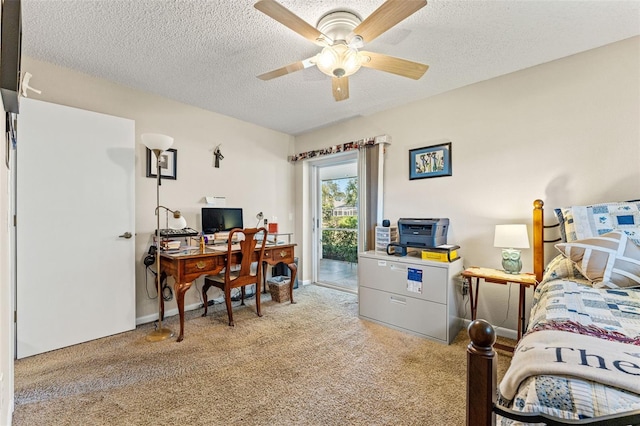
column 538, row 238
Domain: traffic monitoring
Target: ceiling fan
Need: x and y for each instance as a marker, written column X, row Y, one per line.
column 341, row 33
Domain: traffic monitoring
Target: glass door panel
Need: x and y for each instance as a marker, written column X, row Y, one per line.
column 338, row 231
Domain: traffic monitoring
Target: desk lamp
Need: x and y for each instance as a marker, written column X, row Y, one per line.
column 158, row 144
column 177, row 221
column 511, row 238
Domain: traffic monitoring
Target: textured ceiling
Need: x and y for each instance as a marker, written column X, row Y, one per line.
column 208, row 53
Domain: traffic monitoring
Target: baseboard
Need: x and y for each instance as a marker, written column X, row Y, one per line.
column 168, row 313
column 171, row 312
column 500, row 331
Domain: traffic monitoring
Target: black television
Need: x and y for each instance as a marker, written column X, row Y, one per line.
column 221, row 219
column 10, row 54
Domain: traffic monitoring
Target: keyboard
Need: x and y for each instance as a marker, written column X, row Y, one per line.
column 178, row 233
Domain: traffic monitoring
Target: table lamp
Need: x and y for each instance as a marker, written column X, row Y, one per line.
column 511, row 238
column 158, row 144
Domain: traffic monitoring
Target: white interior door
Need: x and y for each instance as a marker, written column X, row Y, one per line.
column 75, row 274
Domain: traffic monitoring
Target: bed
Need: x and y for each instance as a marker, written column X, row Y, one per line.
column 579, row 359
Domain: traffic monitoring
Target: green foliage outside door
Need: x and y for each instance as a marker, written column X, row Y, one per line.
column 340, row 219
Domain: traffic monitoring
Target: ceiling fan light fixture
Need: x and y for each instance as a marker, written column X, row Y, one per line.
column 342, row 33
column 338, row 61
column 356, row 41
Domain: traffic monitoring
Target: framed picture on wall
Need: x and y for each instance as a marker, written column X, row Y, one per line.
column 430, row 161
column 168, row 164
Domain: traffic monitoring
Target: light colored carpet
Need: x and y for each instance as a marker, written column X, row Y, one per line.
column 312, row 363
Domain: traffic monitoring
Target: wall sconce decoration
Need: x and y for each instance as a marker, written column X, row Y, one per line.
column 218, row 156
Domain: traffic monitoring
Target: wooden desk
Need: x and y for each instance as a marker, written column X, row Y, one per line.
column 499, row 277
column 187, row 265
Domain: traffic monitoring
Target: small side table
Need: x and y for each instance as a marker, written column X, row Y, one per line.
column 498, row 276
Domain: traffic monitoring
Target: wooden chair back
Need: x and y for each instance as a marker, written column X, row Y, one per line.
column 247, row 247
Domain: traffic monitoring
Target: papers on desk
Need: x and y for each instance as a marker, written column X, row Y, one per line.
column 223, row 247
column 221, row 236
column 170, row 244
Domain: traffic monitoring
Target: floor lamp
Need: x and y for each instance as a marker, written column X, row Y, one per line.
column 158, row 144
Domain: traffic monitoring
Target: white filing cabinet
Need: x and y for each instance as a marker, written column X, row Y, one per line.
column 410, row 294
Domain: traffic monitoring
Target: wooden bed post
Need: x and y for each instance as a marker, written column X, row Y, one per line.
column 538, row 239
column 482, row 373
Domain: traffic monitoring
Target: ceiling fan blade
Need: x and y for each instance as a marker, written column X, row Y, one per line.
column 401, row 67
column 340, row 87
column 386, row 16
column 288, row 69
column 290, row 20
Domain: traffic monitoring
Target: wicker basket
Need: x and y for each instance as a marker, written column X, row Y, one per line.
column 279, row 289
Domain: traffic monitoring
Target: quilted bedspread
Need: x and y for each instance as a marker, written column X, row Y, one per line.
column 571, row 305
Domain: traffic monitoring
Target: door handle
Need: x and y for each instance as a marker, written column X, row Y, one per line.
column 126, row 235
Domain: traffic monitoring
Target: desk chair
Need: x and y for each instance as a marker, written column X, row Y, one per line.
column 243, row 276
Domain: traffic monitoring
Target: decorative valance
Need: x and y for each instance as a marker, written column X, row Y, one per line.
column 349, row 146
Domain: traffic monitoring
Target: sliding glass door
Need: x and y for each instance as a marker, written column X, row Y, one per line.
column 336, row 223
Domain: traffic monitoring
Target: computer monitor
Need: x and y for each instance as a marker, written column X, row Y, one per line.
column 221, row 219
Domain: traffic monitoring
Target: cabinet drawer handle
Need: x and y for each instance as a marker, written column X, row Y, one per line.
column 399, row 300
column 201, row 265
column 283, row 253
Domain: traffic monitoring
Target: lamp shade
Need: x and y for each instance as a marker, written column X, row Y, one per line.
column 511, row 236
column 177, row 221
column 156, row 141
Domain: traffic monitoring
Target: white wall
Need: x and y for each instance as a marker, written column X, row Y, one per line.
column 567, row 132
column 254, row 173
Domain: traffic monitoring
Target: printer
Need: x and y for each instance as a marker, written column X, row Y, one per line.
column 421, row 233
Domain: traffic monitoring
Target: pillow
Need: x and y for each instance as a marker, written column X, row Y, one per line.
column 565, row 220
column 580, row 222
column 608, row 261
column 561, row 267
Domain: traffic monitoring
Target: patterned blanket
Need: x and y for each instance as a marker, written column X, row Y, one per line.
column 576, row 355
column 571, row 305
column 563, row 303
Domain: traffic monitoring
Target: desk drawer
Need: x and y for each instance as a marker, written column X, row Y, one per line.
column 200, row 265
column 278, row 254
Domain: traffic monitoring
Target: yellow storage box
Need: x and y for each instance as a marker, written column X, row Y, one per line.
column 446, row 253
